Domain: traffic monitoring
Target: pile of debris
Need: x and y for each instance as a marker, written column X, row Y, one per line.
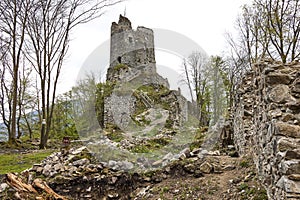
column 78, row 175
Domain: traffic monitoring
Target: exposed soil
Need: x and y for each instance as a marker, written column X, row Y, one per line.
column 230, row 178
column 233, row 178
column 224, row 178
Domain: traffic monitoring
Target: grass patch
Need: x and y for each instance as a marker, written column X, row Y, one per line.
column 120, row 66
column 244, row 163
column 256, row 193
column 114, row 133
column 243, row 186
column 18, row 162
column 198, row 138
column 116, row 136
column 150, row 145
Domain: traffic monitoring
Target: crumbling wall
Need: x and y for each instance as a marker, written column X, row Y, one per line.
column 132, row 47
column 267, row 125
column 132, row 64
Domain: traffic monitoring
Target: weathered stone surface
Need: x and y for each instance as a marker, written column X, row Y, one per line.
column 296, row 86
column 294, row 105
column 285, row 144
column 292, row 154
column 294, row 177
column 3, row 187
column 46, row 170
column 81, row 162
column 289, row 185
column 271, row 92
column 279, row 94
column 206, row 168
column 278, row 78
column 290, row 167
column 79, row 150
column 288, row 130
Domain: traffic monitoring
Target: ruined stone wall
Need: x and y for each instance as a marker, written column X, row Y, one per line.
column 118, row 108
column 267, row 126
column 132, row 47
column 132, row 64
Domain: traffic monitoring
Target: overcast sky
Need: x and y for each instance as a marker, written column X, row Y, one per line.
column 203, row 21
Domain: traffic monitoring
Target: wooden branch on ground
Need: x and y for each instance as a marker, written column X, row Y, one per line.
column 18, row 184
column 43, row 185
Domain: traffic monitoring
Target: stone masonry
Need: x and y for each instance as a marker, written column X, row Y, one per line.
column 134, row 50
column 267, row 125
column 132, row 64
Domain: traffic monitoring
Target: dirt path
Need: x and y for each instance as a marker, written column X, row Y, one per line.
column 232, row 178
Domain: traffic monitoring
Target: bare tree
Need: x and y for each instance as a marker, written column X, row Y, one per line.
column 219, row 87
column 187, row 79
column 283, row 27
column 195, row 76
column 13, row 20
column 49, row 27
column 26, row 101
column 269, row 28
column 5, row 99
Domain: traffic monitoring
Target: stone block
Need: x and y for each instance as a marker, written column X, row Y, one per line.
column 288, row 185
column 285, row 144
column 290, row 167
column 287, row 130
column 206, row 168
column 294, row 177
column 280, row 94
column 278, row 78
column 292, row 154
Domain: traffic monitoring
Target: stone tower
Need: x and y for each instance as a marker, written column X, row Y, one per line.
column 133, row 48
column 132, row 65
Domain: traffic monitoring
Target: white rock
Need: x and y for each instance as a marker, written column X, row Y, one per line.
column 89, row 189
column 168, row 156
column 58, row 166
column 3, row 187
column 127, row 165
column 79, row 150
column 81, row 162
column 112, row 163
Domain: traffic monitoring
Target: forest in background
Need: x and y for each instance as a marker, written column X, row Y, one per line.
column 34, row 41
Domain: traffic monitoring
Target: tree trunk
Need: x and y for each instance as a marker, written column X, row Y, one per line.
column 12, row 135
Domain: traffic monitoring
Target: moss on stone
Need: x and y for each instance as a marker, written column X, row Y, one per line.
column 120, row 66
column 114, row 133
column 150, row 145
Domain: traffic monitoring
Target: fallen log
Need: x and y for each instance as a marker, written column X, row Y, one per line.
column 24, row 188
column 39, row 183
column 17, row 183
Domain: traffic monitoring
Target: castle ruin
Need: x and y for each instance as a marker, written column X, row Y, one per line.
column 132, row 54
column 132, row 64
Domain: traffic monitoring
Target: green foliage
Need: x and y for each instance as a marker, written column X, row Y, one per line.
column 19, row 162
column 103, row 90
column 243, row 186
column 260, row 194
column 114, row 133
column 155, row 93
column 199, row 138
column 115, row 136
column 140, row 148
column 244, row 163
column 120, row 66
column 63, row 123
column 256, row 193
column 169, row 123
column 150, row 145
